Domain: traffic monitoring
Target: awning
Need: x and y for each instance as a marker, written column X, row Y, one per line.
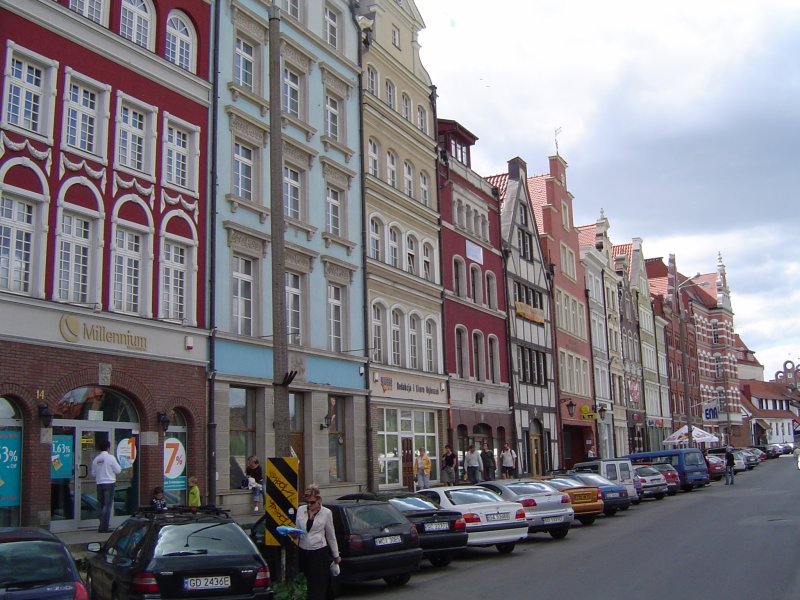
column 699, row 436
column 763, row 424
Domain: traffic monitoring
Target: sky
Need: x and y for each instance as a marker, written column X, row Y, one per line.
column 680, row 120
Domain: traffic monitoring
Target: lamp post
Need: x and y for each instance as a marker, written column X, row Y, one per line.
column 683, row 326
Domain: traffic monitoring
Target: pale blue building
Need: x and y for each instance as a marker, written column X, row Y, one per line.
column 324, row 262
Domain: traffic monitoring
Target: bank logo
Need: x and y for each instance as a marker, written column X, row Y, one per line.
column 70, row 327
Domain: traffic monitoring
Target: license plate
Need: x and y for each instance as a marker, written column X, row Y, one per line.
column 547, row 520
column 497, row 517
column 612, row 495
column 215, row 582
column 437, row 526
column 583, row 497
column 389, row 539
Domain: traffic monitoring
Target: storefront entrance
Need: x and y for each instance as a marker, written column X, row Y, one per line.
column 76, row 443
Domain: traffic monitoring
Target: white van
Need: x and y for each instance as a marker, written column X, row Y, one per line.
column 618, row 470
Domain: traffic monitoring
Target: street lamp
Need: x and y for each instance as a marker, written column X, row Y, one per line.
column 683, row 318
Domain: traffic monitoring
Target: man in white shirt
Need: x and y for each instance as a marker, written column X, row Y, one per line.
column 105, row 469
column 508, row 462
column 474, row 464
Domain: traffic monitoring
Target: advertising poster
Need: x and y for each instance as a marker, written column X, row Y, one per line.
column 62, row 457
column 9, row 467
column 126, row 452
column 174, row 464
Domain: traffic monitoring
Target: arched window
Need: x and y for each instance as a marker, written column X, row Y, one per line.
column 414, row 335
column 459, row 278
column 491, row 290
column 408, row 179
column 391, row 169
column 494, row 359
column 475, row 280
column 135, row 22
column 427, row 261
column 424, row 189
column 375, row 238
column 377, row 333
column 180, row 43
column 397, row 337
column 390, row 95
column 430, row 346
column 394, row 247
column 461, row 352
column 718, row 368
column 478, row 360
column 372, row 80
column 373, row 160
column 411, row 255
column 406, row 106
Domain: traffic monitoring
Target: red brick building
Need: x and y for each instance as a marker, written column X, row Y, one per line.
column 103, row 192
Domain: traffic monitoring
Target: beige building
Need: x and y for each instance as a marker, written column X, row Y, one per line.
column 408, row 391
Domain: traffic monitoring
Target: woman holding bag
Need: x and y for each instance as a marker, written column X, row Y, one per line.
column 318, row 546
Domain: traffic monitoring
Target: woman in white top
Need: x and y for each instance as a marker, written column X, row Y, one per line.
column 318, row 546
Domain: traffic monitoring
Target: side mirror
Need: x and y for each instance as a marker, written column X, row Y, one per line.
column 93, row 547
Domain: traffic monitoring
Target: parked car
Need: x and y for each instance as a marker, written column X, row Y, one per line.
column 739, row 462
column 671, row 476
column 716, row 467
column 491, row 521
column 546, row 508
column 617, row 470
column 442, row 533
column 181, row 552
column 770, row 450
column 35, row 565
column 375, row 541
column 751, row 461
column 587, row 501
column 654, row 485
column 688, row 462
column 760, row 454
column 615, row 496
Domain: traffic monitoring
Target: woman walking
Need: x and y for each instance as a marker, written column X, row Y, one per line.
column 318, row 546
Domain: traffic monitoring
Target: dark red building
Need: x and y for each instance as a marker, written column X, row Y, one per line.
column 103, row 194
column 475, row 343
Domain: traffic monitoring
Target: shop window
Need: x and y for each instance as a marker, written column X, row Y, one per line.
column 337, row 440
column 242, row 436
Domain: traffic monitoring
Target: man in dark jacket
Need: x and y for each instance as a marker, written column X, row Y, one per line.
column 489, row 464
column 730, row 461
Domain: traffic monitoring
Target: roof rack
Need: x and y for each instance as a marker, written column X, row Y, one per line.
column 150, row 511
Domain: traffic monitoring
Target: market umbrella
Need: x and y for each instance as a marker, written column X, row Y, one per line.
column 699, row 436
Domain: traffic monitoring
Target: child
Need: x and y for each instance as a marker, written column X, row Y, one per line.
column 255, row 477
column 194, row 492
column 157, row 501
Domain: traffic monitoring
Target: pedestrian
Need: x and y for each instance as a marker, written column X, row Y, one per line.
column 318, row 546
column 422, row 469
column 105, row 469
column 730, row 461
column 157, row 501
column 508, row 462
column 449, row 463
column 194, row 492
column 797, row 456
column 474, row 464
column 255, row 479
column 489, row 463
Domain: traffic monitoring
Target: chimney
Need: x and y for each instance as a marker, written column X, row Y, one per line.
column 517, row 169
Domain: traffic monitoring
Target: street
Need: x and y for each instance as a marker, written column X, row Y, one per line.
column 738, row 542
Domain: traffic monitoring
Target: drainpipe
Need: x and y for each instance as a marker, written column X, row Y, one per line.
column 608, row 351
column 591, row 372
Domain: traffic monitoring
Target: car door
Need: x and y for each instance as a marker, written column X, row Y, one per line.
column 118, row 558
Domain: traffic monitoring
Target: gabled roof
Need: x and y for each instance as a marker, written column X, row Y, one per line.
column 627, row 250
column 587, row 234
column 538, row 193
column 763, row 413
column 500, row 182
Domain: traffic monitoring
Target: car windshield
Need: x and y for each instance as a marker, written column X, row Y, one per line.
column 373, row 516
column 32, row 561
column 593, row 479
column 646, row 471
column 530, row 487
column 202, row 537
column 471, row 495
column 693, row 458
column 411, row 503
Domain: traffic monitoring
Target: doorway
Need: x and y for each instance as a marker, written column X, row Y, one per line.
column 537, row 466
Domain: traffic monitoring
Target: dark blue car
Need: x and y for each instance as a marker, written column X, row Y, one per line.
column 615, row 497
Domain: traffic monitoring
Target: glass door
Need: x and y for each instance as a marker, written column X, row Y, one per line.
column 86, row 486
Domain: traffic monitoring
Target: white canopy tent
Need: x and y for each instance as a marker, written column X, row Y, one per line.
column 699, row 436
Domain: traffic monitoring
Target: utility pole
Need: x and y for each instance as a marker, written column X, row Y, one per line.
column 280, row 356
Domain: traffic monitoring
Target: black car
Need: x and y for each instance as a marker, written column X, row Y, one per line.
column 375, row 541
column 442, row 533
column 35, row 565
column 178, row 553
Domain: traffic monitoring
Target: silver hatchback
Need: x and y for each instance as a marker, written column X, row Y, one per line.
column 546, row 508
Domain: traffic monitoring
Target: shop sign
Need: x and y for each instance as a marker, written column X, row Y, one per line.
column 529, row 313
column 402, row 387
column 62, row 457
column 174, row 464
column 73, row 330
column 10, row 450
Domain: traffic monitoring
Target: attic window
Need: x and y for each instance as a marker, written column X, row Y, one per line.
column 459, row 151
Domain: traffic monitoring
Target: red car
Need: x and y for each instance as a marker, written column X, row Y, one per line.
column 716, row 467
column 670, row 474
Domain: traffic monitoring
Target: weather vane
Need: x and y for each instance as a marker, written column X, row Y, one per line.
column 558, row 130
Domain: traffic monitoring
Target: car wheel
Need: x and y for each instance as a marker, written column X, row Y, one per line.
column 610, row 512
column 506, row 548
column 659, row 496
column 586, row 520
column 397, row 580
column 559, row 534
column 440, row 561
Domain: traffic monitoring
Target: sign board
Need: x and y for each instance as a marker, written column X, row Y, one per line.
column 174, row 464
column 474, row 252
column 711, row 411
column 281, row 504
column 10, row 460
column 62, row 457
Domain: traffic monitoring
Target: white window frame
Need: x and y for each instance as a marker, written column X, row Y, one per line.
column 293, row 207
column 461, row 352
column 335, row 213
column 390, row 94
column 431, row 346
column 292, row 95
column 143, row 28
column 45, row 91
column 376, row 238
column 68, row 269
column 424, row 189
column 408, row 178
column 373, row 80
column 94, row 10
column 414, row 337
column 119, row 287
column 99, row 116
column 337, row 299
column 192, row 154
column 295, row 307
column 428, row 263
column 148, row 134
column 246, row 63
column 393, row 254
column 244, row 171
column 183, row 42
column 396, row 36
column 331, row 30
column 396, row 336
column 378, row 316
column 478, row 356
column 373, row 158
column 172, row 271
column 332, row 117
column 12, row 278
column 422, row 119
column 412, row 254
column 391, row 169
column 241, row 323
column 406, row 106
